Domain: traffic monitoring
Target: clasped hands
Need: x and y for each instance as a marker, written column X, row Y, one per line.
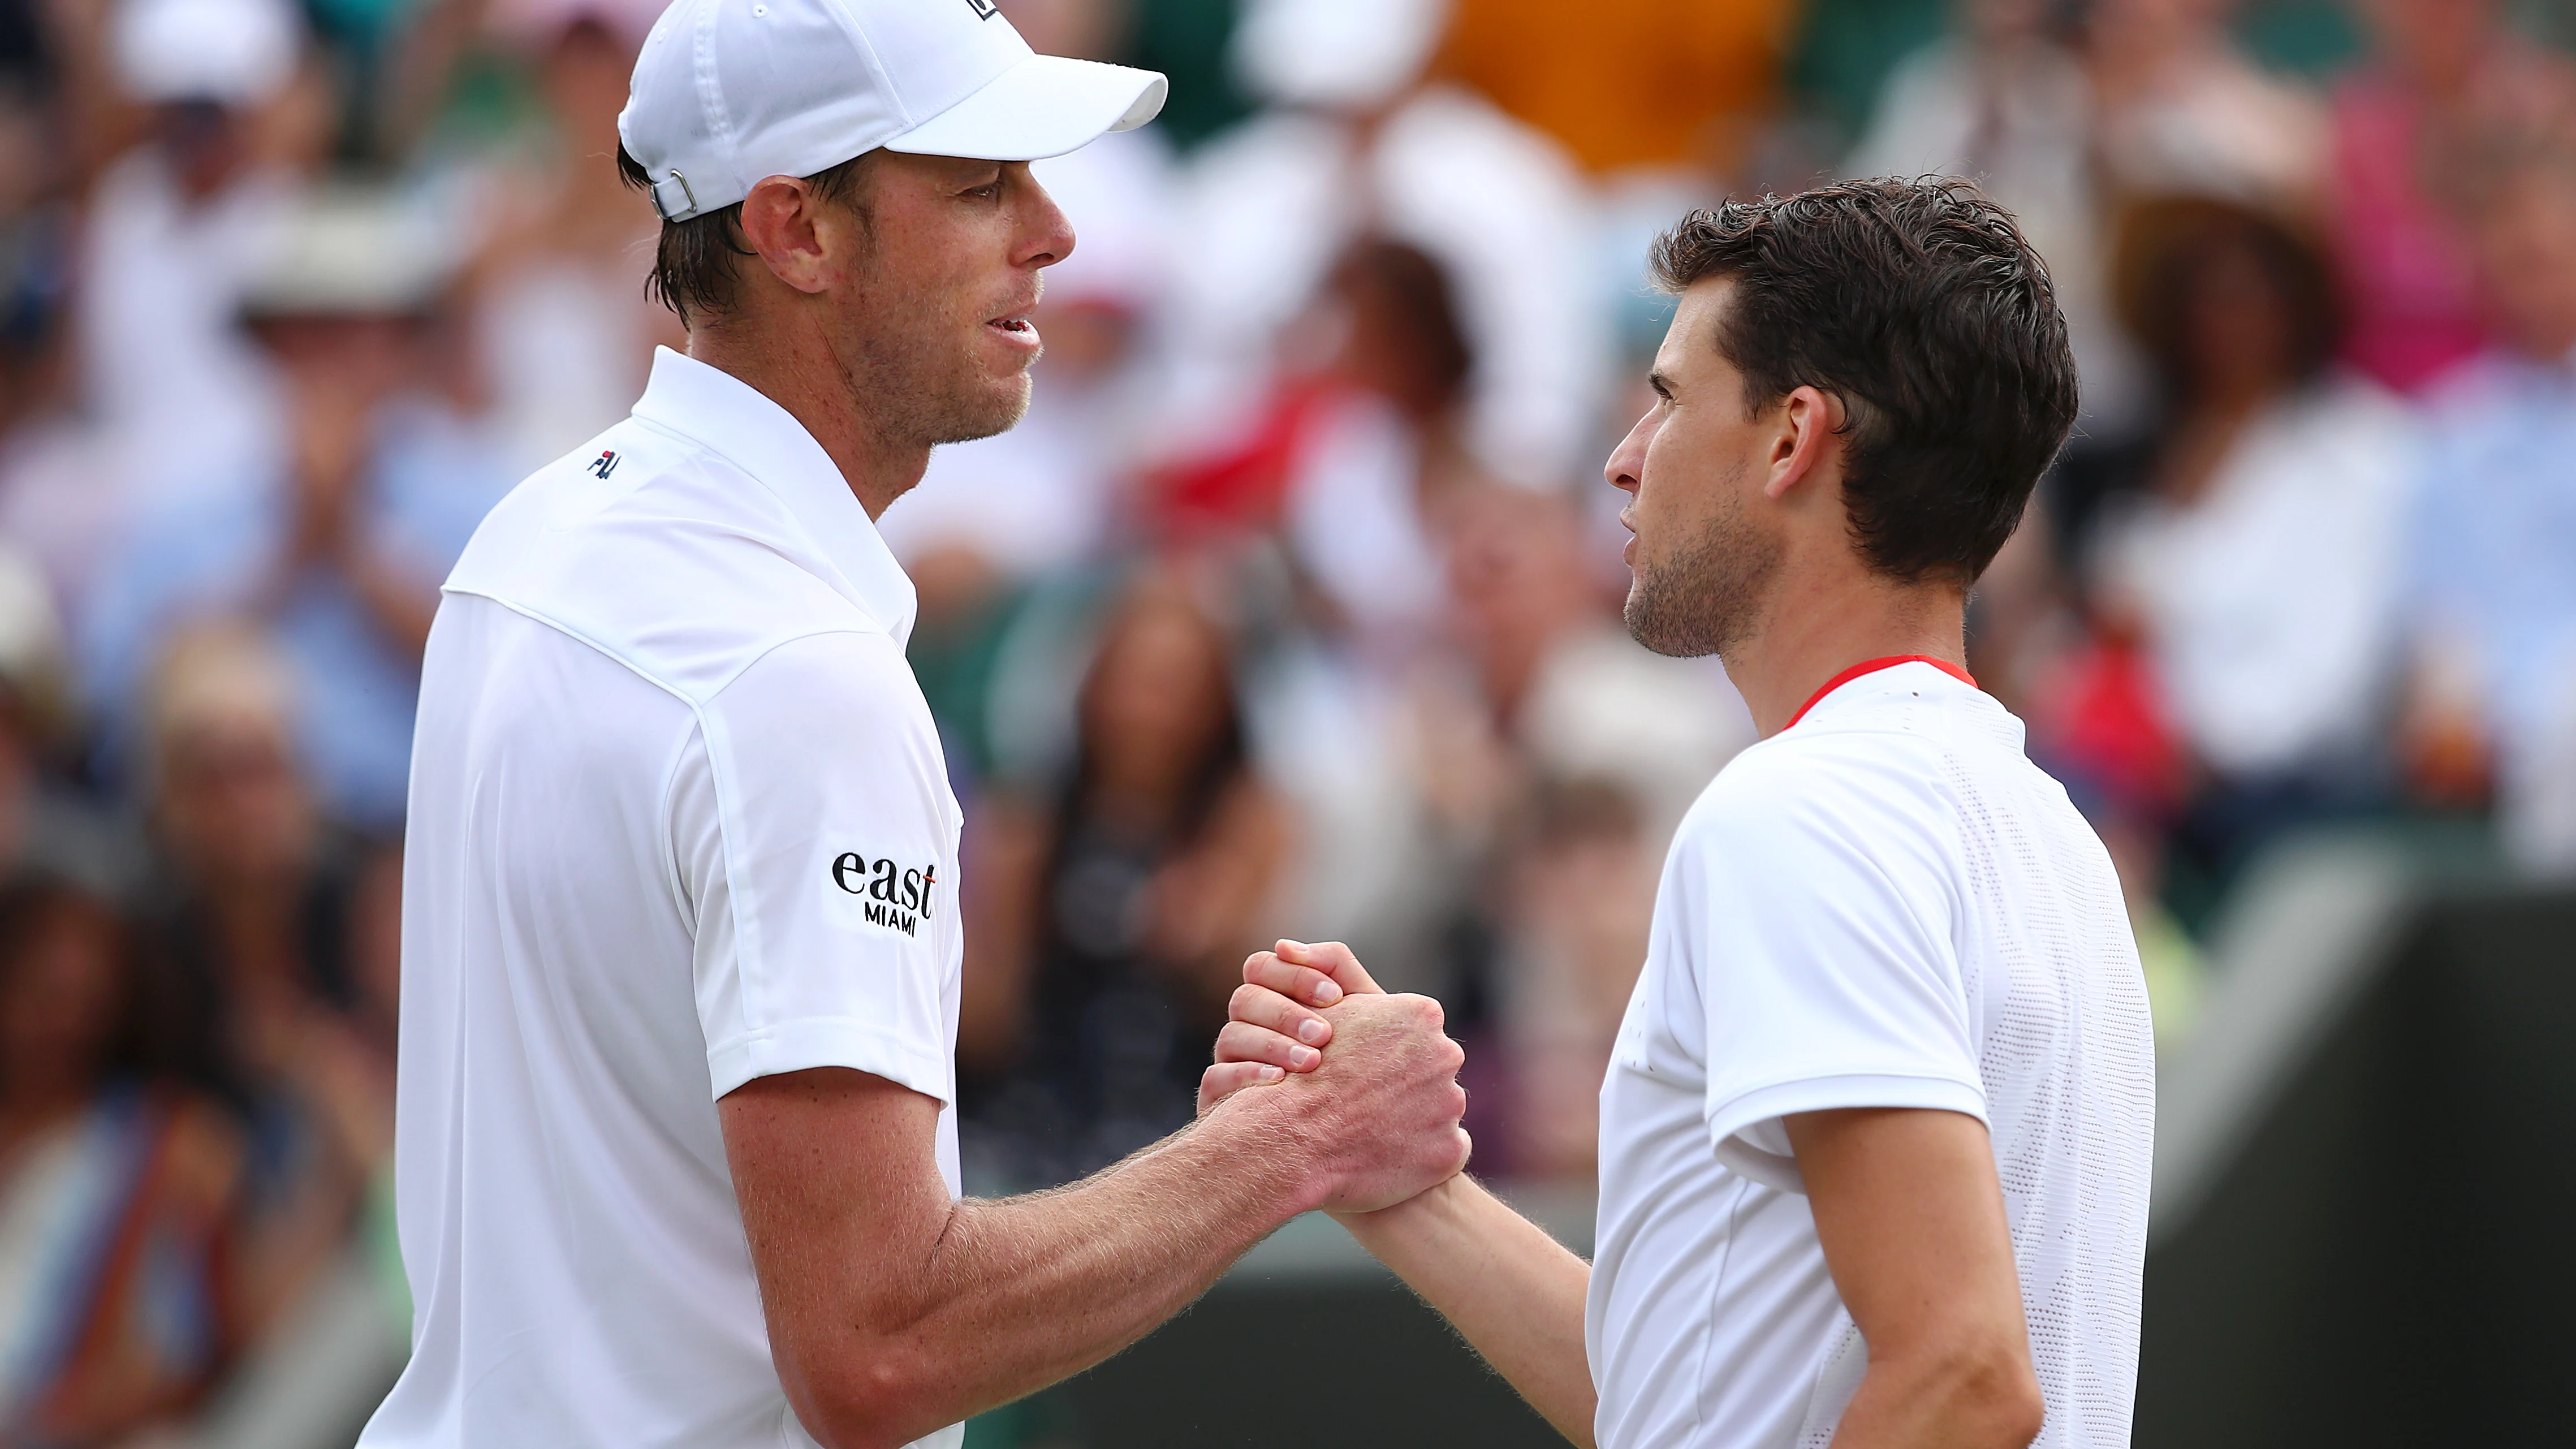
column 1310, row 1019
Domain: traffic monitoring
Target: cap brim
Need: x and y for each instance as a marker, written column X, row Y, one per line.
column 1044, row 106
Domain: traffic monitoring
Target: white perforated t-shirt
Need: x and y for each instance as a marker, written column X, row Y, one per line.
column 1884, row 905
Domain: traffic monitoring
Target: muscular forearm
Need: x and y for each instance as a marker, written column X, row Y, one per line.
column 1024, row 1291
column 1513, row 1291
column 894, row 1309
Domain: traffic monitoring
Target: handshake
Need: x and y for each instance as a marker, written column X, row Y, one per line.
column 1368, row 1082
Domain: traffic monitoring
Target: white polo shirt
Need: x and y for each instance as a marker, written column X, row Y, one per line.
column 1884, row 905
column 679, row 819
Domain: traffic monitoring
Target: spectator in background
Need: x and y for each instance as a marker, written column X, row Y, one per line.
column 1108, row 929
column 1357, row 143
column 116, row 1186
column 1377, row 444
column 2494, row 532
column 2254, row 545
column 340, row 545
column 60, row 494
column 564, row 328
column 2444, row 75
column 1575, row 893
column 2182, row 111
column 46, row 823
column 254, row 986
column 2005, row 101
column 181, row 226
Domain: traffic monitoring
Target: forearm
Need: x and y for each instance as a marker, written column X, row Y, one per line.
column 1020, row 1292
column 1515, row 1293
column 1954, row 1398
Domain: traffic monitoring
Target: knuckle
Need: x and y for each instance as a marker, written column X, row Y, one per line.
column 1229, row 1043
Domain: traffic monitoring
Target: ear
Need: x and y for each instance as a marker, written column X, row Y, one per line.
column 782, row 220
column 1809, row 436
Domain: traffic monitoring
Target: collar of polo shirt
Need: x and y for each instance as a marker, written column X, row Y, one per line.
column 715, row 412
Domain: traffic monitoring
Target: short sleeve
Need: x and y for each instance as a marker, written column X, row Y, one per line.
column 814, row 849
column 1827, row 906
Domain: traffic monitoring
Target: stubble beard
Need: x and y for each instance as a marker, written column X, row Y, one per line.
column 916, row 393
column 1707, row 596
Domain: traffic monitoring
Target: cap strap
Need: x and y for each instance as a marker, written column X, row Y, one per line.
column 666, row 206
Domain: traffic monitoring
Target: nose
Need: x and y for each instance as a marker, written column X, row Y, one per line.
column 1626, row 470
column 1046, row 234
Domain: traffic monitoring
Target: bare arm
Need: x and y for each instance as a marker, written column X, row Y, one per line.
column 1510, row 1290
column 1514, row 1293
column 894, row 1311
column 1907, row 1208
column 1912, row 1222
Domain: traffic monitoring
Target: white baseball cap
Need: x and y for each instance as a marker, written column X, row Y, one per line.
column 729, row 91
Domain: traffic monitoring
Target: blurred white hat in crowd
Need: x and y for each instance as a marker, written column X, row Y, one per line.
column 1335, row 54
column 238, row 52
column 729, row 91
column 352, row 251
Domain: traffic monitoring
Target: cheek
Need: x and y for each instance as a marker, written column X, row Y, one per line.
column 1675, row 455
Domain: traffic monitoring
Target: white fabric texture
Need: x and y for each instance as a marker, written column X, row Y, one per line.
column 679, row 819
column 1885, row 905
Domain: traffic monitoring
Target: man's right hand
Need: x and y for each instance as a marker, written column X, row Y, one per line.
column 1382, row 1110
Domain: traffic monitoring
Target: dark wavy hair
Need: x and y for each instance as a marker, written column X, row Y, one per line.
column 1918, row 304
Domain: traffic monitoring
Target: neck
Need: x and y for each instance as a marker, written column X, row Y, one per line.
column 793, row 365
column 1816, row 630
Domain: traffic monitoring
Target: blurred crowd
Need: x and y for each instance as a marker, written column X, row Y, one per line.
column 1292, row 608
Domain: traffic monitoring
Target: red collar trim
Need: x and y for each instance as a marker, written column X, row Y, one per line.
column 1872, row 666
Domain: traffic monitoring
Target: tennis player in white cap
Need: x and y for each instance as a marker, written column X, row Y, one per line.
column 677, row 1159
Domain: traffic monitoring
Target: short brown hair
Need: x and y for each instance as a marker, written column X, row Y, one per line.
column 1920, row 306
column 693, row 263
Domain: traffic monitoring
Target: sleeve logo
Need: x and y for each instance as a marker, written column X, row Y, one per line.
column 897, row 897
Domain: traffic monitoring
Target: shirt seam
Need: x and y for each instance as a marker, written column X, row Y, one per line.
column 665, row 811
column 1716, row 1295
column 746, row 940
column 638, row 669
column 794, row 519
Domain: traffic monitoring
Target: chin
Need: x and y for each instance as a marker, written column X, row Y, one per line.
column 995, row 408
